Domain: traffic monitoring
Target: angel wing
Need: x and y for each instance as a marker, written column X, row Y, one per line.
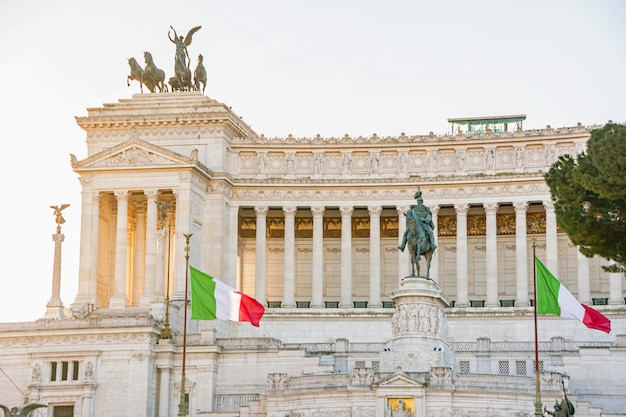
column 190, row 34
column 29, row 408
column 6, row 410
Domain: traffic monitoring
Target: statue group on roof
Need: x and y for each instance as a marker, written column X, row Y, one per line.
column 153, row 78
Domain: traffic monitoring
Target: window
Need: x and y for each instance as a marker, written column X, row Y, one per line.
column 503, row 367
column 375, row 366
column 64, row 371
column 464, row 367
column 520, row 367
column 359, row 364
column 63, row 411
column 541, row 368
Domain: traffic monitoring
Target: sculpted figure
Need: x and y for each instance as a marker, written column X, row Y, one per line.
column 419, row 235
column 181, row 59
column 17, row 412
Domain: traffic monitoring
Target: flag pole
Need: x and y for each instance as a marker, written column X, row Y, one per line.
column 182, row 406
column 537, row 383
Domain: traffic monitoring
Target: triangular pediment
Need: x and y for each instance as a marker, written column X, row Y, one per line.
column 134, row 153
column 401, row 380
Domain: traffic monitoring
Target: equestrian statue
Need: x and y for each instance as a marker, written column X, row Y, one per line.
column 419, row 235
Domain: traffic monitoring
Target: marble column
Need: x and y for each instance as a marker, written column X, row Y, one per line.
column 54, row 308
column 434, row 262
column 139, row 267
column 375, row 266
column 232, row 245
column 492, row 254
column 260, row 280
column 289, row 281
column 584, row 293
column 403, row 257
column 346, row 256
column 552, row 244
column 521, row 254
column 616, row 287
column 318, row 255
column 86, row 269
column 119, row 299
column 164, row 391
column 151, row 249
column 182, row 226
column 462, row 298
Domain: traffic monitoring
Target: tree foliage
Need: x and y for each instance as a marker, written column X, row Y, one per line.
column 589, row 192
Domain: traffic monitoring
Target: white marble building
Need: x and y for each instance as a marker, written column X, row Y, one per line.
column 310, row 227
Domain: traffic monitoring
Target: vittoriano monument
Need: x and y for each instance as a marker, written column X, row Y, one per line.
column 419, row 235
column 153, row 78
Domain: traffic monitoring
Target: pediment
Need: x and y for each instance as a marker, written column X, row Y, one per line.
column 401, row 380
column 133, row 153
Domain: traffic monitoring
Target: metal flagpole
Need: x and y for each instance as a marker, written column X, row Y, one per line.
column 537, row 384
column 182, row 406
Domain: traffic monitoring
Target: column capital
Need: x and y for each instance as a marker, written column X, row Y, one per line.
column 402, row 209
column 121, row 195
column 261, row 210
column 548, row 206
column 346, row 210
column 140, row 207
column 490, row 208
column 520, row 206
column 375, row 210
column 317, row 211
column 151, row 195
column 290, row 211
column 461, row 208
column 434, row 208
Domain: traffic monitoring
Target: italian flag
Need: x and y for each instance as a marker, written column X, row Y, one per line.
column 212, row 299
column 554, row 298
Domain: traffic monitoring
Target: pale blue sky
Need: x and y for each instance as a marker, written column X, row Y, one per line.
column 287, row 67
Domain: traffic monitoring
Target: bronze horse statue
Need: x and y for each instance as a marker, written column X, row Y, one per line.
column 419, row 245
column 136, row 73
column 153, row 77
column 199, row 75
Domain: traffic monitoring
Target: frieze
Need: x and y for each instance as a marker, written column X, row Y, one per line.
column 331, row 412
column 476, row 412
column 76, row 339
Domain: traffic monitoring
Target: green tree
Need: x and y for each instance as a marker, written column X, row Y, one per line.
column 589, row 192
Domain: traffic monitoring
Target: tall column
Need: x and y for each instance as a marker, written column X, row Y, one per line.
column 492, row 253
column 346, row 256
column 151, row 249
column 164, row 391
column 87, row 267
column 182, row 226
column 54, row 308
column 584, row 293
column 261, row 253
column 318, row 256
column 521, row 254
column 375, row 265
column 403, row 257
column 462, row 298
column 616, row 287
column 552, row 244
column 289, row 283
column 233, row 245
column 159, row 288
column 118, row 301
column 434, row 262
column 139, row 267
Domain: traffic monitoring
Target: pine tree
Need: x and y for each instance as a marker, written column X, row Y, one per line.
column 589, row 192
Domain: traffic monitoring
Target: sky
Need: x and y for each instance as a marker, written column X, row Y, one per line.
column 328, row 67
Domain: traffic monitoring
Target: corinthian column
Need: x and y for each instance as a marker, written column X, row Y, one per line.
column 521, row 254
column 434, row 263
column 318, row 256
column 346, row 256
column 492, row 254
column 552, row 249
column 462, row 299
column 151, row 249
column 403, row 258
column 118, row 301
column 375, row 255
column 261, row 254
column 290, row 257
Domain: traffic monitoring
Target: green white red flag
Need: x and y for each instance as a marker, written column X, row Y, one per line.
column 212, row 299
column 554, row 298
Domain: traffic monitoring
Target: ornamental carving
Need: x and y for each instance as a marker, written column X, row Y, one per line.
column 412, row 318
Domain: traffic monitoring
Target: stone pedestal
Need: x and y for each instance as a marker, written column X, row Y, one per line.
column 419, row 329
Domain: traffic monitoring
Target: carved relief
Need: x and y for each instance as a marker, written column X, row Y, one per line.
column 362, row 376
column 277, row 381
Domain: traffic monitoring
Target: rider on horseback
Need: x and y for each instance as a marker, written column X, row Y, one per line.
column 420, row 213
